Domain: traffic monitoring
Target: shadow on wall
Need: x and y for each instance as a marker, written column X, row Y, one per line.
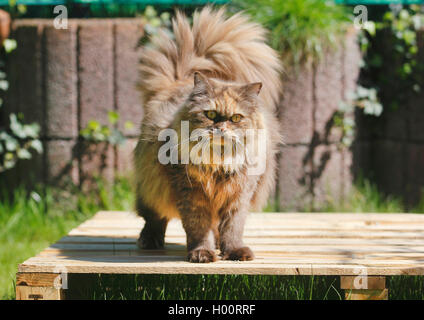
column 315, row 168
column 62, row 79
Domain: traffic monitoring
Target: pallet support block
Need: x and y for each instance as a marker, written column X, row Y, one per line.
column 364, row 287
column 39, row 286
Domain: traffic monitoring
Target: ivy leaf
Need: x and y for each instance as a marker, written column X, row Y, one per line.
column 93, row 125
column 37, row 146
column 23, row 154
column 31, row 130
column 129, row 125
column 11, row 144
column 117, row 138
column 16, row 126
column 113, row 117
column 9, row 45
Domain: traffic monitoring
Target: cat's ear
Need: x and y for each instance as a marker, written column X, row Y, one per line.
column 251, row 89
column 201, row 85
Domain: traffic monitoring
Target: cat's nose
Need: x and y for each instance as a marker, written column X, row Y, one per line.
column 219, row 130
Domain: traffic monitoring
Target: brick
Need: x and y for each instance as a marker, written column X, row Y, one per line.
column 348, row 177
column 296, row 107
column 125, row 156
column 96, row 73
column 294, row 179
column 61, row 82
column 62, row 162
column 96, row 160
column 351, row 62
column 30, row 73
column 328, row 175
column 328, row 92
column 127, row 36
column 415, row 174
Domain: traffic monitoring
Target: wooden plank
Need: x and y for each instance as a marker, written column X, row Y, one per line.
column 376, row 259
column 352, row 227
column 256, row 240
column 176, row 265
column 282, row 217
column 152, row 257
column 347, row 250
column 133, row 233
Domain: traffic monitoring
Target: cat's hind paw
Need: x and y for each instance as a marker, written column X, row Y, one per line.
column 201, row 256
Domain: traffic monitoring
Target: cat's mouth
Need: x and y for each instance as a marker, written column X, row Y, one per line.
column 219, row 140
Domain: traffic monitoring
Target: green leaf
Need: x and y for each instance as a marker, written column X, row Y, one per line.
column 9, row 45
column 31, row 130
column 113, row 117
column 37, row 146
column 129, row 125
column 93, row 125
column 24, row 154
column 11, row 144
column 116, row 138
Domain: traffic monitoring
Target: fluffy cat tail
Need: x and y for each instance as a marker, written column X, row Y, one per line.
column 232, row 49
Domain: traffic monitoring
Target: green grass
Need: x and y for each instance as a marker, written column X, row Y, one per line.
column 365, row 197
column 230, row 287
column 31, row 222
column 204, row 287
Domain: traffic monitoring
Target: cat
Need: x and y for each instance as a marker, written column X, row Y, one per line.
column 219, row 77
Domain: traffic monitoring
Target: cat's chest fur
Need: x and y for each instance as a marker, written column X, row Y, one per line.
column 214, row 189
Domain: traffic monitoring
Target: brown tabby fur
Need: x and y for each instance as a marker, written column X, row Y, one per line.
column 217, row 64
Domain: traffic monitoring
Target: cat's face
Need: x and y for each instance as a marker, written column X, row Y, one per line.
column 219, row 116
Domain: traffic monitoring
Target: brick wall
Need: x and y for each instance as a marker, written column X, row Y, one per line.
column 314, row 170
column 64, row 78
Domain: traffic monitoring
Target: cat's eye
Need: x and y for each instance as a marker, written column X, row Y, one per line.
column 236, row 118
column 211, row 114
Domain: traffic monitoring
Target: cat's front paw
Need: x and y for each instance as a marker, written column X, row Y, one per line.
column 201, row 256
column 240, row 254
column 150, row 241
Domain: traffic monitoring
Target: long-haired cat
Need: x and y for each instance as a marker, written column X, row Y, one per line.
column 220, row 78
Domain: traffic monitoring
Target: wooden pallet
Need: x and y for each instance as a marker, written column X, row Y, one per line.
column 361, row 248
